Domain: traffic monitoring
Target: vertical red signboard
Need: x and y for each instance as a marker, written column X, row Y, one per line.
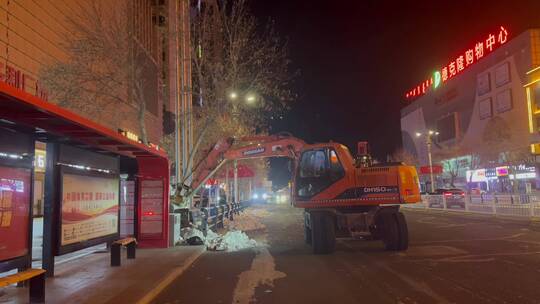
column 152, row 225
column 14, row 212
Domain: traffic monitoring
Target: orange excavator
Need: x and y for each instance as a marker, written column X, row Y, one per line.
column 341, row 195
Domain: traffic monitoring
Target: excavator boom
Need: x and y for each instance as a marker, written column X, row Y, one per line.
column 245, row 148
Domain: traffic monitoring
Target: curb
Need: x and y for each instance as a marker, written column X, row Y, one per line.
column 516, row 219
column 152, row 294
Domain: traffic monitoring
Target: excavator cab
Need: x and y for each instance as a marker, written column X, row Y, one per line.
column 318, row 169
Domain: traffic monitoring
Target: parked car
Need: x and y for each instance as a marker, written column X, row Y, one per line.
column 454, row 198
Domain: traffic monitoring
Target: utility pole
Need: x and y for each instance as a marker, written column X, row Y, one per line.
column 429, row 141
column 184, row 92
column 174, row 97
column 430, row 163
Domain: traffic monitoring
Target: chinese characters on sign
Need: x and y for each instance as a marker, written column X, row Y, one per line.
column 460, row 63
column 89, row 208
column 151, row 209
column 22, row 81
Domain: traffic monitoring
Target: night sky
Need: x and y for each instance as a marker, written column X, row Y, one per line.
column 358, row 58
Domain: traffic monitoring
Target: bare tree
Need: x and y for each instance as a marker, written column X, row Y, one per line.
column 501, row 148
column 241, row 75
column 102, row 72
column 402, row 155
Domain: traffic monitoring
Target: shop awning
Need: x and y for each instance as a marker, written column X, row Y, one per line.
column 21, row 111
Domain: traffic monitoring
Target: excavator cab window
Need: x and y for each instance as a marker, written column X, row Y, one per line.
column 317, row 170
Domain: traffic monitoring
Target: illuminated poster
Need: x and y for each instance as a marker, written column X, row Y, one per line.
column 89, row 208
column 151, row 208
column 14, row 212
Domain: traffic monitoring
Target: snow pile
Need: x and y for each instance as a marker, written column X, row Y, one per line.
column 237, row 240
column 213, row 241
column 231, row 241
column 188, row 233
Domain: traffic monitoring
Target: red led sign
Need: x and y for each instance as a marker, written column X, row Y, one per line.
column 458, row 65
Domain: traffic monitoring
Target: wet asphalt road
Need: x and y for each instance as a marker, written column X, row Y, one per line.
column 452, row 259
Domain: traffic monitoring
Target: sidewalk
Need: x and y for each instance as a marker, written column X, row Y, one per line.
column 91, row 279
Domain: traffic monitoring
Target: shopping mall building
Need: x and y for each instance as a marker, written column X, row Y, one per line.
column 483, row 110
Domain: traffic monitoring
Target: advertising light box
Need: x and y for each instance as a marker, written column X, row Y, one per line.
column 14, row 212
column 89, row 208
column 151, row 209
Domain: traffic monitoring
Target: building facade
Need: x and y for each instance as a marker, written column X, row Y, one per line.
column 478, row 110
column 32, row 36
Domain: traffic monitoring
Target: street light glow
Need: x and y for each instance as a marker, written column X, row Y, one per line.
column 250, row 98
column 431, row 132
column 418, row 134
column 233, row 95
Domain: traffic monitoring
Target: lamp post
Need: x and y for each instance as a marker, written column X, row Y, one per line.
column 429, row 140
column 249, row 99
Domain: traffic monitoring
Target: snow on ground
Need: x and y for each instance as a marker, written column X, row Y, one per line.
column 230, row 241
column 249, row 220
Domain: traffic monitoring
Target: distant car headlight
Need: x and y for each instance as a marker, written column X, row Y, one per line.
column 255, row 196
column 265, row 196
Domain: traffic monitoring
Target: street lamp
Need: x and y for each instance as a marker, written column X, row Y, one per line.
column 233, row 95
column 250, row 98
column 429, row 141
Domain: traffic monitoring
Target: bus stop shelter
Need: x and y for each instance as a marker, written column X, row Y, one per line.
column 82, row 190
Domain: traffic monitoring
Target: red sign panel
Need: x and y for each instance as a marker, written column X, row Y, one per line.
column 465, row 59
column 437, row 169
column 14, row 212
column 152, row 212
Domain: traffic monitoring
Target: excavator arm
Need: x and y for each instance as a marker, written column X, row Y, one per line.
column 244, row 148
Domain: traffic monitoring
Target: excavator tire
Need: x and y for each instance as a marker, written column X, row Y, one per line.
column 403, row 231
column 390, row 231
column 323, row 232
column 395, row 234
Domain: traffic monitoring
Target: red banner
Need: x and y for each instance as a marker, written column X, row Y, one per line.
column 437, row 169
column 14, row 211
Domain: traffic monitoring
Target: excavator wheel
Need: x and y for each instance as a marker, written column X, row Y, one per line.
column 323, row 233
column 394, row 231
column 403, row 231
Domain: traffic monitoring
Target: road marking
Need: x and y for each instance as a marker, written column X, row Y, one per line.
column 150, row 296
column 262, row 272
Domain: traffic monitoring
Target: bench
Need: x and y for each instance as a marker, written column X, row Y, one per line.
column 36, row 277
column 130, row 243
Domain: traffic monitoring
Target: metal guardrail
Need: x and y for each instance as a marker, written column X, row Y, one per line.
column 213, row 217
column 518, row 205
